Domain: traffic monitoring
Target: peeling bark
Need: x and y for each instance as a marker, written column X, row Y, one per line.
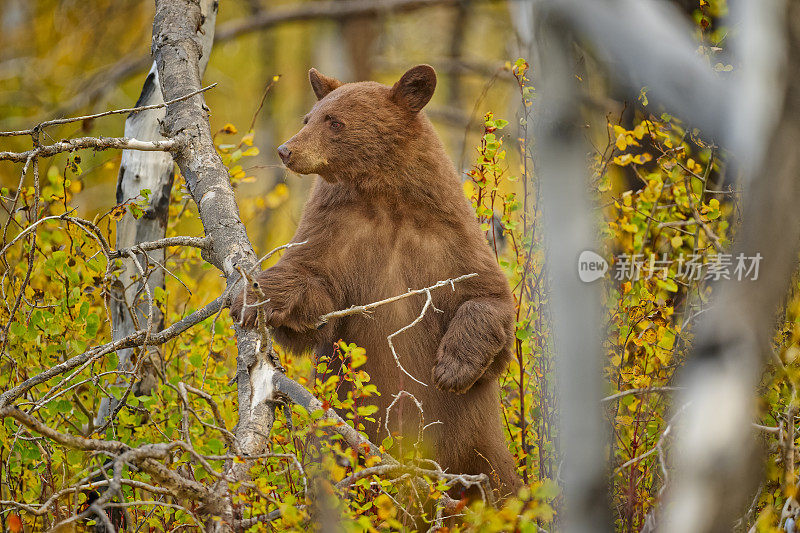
column 177, row 51
column 154, row 171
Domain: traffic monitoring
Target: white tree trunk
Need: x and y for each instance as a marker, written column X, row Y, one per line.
column 154, row 171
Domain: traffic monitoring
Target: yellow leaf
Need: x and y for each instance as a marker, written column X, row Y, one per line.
column 664, row 356
column 337, row 472
column 623, row 160
column 636, row 313
column 625, row 420
column 385, row 507
column 469, row 188
column 251, row 151
column 117, row 213
column 627, row 198
column 676, row 241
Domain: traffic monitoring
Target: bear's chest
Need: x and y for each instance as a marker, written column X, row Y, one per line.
column 388, row 246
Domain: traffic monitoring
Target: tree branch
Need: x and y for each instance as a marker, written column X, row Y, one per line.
column 97, row 143
column 323, row 10
column 367, row 309
column 58, row 121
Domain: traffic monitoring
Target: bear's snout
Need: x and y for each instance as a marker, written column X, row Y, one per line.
column 285, row 153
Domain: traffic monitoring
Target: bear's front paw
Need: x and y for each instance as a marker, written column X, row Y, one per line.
column 455, row 373
column 246, row 316
column 274, row 305
column 455, row 376
column 276, row 313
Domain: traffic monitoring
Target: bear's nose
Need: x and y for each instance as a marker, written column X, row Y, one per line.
column 285, row 153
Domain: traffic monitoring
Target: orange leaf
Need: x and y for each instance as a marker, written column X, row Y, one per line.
column 14, row 523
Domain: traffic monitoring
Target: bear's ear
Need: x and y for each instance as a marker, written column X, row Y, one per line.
column 322, row 84
column 415, row 88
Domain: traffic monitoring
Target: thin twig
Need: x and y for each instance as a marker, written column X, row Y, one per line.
column 58, row 121
column 366, row 309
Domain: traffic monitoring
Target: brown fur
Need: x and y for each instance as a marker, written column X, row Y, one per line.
column 389, row 214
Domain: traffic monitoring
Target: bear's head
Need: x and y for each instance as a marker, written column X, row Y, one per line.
column 357, row 130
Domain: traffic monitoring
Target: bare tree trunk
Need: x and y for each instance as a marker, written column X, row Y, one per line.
column 644, row 44
column 177, row 51
column 460, row 21
column 153, row 171
column 560, row 158
column 715, row 459
column 359, row 33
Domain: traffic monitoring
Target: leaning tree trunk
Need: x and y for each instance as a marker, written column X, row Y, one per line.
column 153, row 171
column 644, row 44
column 715, row 459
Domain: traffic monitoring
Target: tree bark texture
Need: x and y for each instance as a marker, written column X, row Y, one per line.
column 177, row 50
column 154, row 171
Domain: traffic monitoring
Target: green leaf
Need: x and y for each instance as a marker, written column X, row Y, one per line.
column 667, row 284
column 216, row 446
column 92, row 325
column 112, row 361
column 196, row 360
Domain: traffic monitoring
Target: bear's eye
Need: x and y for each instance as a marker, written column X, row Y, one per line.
column 336, row 125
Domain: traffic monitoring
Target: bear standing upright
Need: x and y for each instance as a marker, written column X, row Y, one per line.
column 389, row 214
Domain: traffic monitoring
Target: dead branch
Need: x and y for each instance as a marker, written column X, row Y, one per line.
column 59, row 121
column 467, row 480
column 367, row 309
column 428, row 303
column 638, row 392
column 204, row 243
column 97, row 143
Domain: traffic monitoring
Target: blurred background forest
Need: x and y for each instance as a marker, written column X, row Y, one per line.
column 660, row 187
column 63, row 58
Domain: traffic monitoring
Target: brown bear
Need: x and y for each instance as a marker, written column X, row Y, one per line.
column 389, row 215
